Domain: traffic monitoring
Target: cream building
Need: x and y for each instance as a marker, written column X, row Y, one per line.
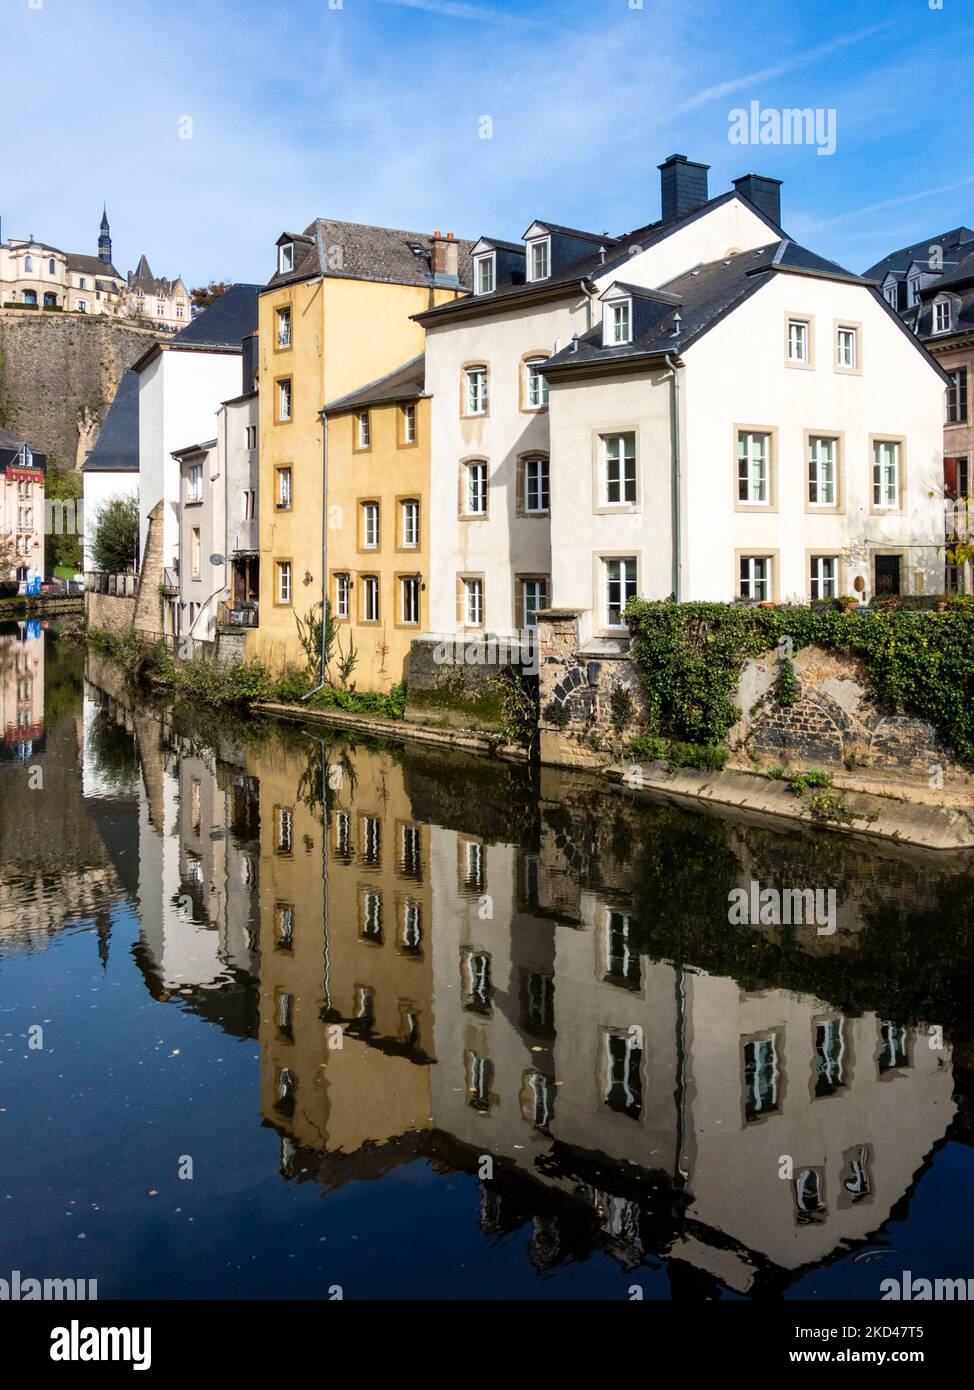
column 699, row 407
column 34, row 275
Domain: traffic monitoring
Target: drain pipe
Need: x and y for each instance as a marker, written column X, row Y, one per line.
column 677, row 489
column 324, row 553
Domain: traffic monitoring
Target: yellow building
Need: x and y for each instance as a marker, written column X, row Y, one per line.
column 378, row 534
column 346, row 974
column 335, row 315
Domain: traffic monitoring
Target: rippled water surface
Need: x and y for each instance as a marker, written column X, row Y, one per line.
column 281, row 1012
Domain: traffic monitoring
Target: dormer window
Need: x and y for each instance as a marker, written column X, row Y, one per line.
column 941, row 316
column 539, row 258
column 617, row 323
column 485, row 276
column 890, row 294
column 915, row 290
column 285, row 258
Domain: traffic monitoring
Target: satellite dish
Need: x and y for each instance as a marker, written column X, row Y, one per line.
column 218, row 560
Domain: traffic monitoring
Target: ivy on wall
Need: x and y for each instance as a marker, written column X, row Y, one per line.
column 690, row 657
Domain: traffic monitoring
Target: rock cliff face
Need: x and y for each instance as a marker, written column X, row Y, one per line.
column 58, row 374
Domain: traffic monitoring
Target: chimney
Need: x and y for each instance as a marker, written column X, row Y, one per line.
column 446, row 256
column 763, row 192
column 683, row 186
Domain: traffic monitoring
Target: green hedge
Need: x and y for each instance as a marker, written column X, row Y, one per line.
column 690, row 657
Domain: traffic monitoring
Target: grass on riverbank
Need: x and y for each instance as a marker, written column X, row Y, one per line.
column 235, row 684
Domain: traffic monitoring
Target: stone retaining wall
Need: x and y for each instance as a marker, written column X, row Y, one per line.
column 109, row 613
column 593, row 704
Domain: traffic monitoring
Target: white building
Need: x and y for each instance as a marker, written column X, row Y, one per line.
column 111, row 470
column 218, row 517
column 182, row 385
column 561, row 488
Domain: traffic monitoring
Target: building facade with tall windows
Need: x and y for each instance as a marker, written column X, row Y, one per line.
column 337, row 314
column 378, row 521
column 931, row 286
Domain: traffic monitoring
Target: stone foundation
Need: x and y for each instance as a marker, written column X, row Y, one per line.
column 593, row 704
column 453, row 680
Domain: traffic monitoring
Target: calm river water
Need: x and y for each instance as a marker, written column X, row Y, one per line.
column 282, row 1011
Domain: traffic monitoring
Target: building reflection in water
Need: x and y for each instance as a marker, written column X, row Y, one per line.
column 423, row 988
column 21, row 691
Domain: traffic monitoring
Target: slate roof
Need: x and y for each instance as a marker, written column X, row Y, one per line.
column 117, row 446
column 617, row 254
column 900, row 261
column 406, row 383
column 10, row 447
column 142, row 278
column 228, row 320
column 367, row 253
column 708, row 293
column 91, row 265
column 963, row 271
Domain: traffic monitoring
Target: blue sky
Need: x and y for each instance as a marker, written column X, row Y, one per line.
column 371, row 111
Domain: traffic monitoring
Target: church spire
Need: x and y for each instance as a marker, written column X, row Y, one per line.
column 104, row 239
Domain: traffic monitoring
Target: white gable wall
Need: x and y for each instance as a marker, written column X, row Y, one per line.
column 737, row 375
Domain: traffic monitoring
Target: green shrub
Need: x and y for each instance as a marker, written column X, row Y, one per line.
column 558, row 715
column 813, row 778
column 708, row 757
column 648, row 746
column 788, row 689
column 389, row 706
column 291, row 685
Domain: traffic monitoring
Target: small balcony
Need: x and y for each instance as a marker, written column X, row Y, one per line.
column 170, row 582
column 230, row 617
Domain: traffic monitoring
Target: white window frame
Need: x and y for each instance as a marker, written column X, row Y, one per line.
column 825, row 469
column 847, row 347
column 620, row 576
column 343, row 590
column 409, row 590
column 820, row 584
column 757, row 479
column 485, row 270
column 409, row 424
column 285, row 491
column 539, row 584
column 285, row 400
column 475, row 390
column 798, row 341
column 540, row 248
column 759, row 586
column 941, row 306
column 617, row 323
column 536, row 384
column 410, row 523
column 370, row 526
column 914, row 284
column 886, row 497
column 283, row 574
column 541, row 485
column 363, row 430
column 892, row 295
column 284, row 326
column 194, row 483
column 370, row 598
column 476, row 492
column 622, row 481
column 473, row 602
column 285, row 258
